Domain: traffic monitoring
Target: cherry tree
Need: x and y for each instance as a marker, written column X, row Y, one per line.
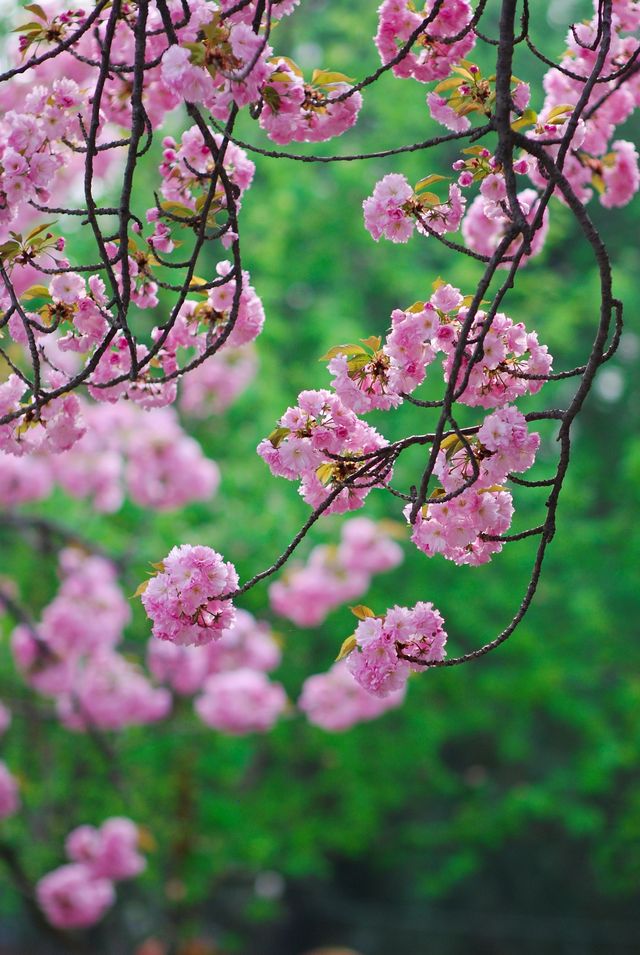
column 88, row 401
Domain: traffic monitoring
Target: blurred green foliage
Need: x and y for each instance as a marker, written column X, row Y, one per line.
column 494, row 776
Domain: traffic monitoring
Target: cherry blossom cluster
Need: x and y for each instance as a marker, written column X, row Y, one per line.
column 89, row 611
column 230, row 675
column 460, row 527
column 224, row 314
column 295, row 111
column 308, row 439
column 200, row 322
column 116, row 100
column 385, row 649
column 61, row 422
column 241, row 701
column 307, row 593
column 228, row 62
column 144, row 454
column 435, row 51
column 596, row 161
column 487, row 220
column 335, row 702
column 58, row 428
column 376, row 375
column 183, row 600
column 231, row 63
column 41, row 129
column 213, row 58
column 395, row 209
column 78, row 894
column 509, row 353
column 334, row 575
column 248, row 643
column 188, row 171
column 32, row 129
column 111, row 693
column 471, row 509
column 467, row 91
column 70, row 654
column 47, row 28
column 43, row 132
column 212, row 386
column 489, row 217
column 245, row 13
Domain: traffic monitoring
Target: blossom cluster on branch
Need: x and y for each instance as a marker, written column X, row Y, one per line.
column 78, row 894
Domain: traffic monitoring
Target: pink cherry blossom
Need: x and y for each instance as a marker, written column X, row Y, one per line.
column 461, row 528
column 393, row 210
column 622, row 179
column 241, row 701
column 429, row 59
column 333, row 576
column 110, row 852
column 183, row 599
column 110, row 693
column 335, row 702
column 295, row 111
column 486, row 222
column 377, row 662
column 304, row 440
column 71, row 898
column 384, row 210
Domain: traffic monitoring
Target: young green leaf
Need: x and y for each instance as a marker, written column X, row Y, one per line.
column 348, row 646
column 361, row 612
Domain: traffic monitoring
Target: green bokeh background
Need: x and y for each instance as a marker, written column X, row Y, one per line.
column 499, row 810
